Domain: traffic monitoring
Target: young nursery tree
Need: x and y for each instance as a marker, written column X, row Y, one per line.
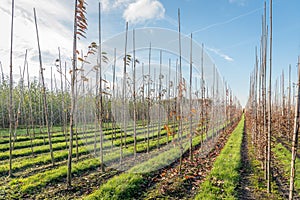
column 80, row 25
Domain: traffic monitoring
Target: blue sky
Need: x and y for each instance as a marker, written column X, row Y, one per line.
column 229, row 29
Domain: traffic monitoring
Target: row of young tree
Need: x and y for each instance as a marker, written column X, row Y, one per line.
column 189, row 104
column 272, row 113
column 27, row 105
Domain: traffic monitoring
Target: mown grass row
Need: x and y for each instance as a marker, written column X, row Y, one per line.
column 23, row 131
column 44, row 159
column 31, row 182
column 283, row 156
column 59, row 143
column 60, row 172
column 222, row 181
column 128, row 185
column 24, row 138
column 22, row 134
column 35, row 182
column 38, row 139
column 24, row 142
column 82, row 150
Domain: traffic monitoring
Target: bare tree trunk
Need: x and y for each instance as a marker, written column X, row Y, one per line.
column 289, row 106
column 66, row 105
column 295, row 137
column 76, row 118
column 31, row 110
column 168, row 100
column 73, row 100
column 202, row 97
column 124, row 97
column 100, row 93
column 180, row 94
column 134, row 97
column 2, row 107
column 270, row 109
column 148, row 103
column 160, row 77
column 41, row 112
column 254, row 141
column 114, row 98
column 191, row 112
column 264, row 99
column 51, row 101
column 20, row 101
column 63, row 109
column 143, row 102
column 11, row 118
column 283, row 114
column 44, row 91
column 213, row 101
column 97, row 113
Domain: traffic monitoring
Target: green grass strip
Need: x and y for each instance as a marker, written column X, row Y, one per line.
column 224, row 176
column 125, row 186
column 33, row 183
column 284, row 156
column 128, row 185
column 43, row 159
column 37, row 181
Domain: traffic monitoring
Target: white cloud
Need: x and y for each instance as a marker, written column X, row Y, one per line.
column 54, row 18
column 105, row 4
column 108, row 5
column 219, row 53
column 143, row 10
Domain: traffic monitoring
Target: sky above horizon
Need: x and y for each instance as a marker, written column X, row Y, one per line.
column 229, row 29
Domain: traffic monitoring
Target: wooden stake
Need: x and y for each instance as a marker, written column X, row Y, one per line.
column 44, row 91
column 270, row 109
column 295, row 137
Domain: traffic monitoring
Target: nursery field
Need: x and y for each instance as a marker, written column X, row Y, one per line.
column 34, row 176
column 144, row 114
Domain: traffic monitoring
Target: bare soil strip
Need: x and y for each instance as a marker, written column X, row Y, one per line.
column 171, row 183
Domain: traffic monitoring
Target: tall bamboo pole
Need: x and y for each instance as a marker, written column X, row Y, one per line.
column 270, row 108
column 168, row 99
column 148, row 97
column 124, row 96
column 100, row 92
column 160, row 77
column 63, row 101
column 73, row 99
column 114, row 97
column 31, row 110
column 180, row 94
column 2, row 95
column 289, row 105
column 44, row 91
column 295, row 137
column 97, row 109
column 202, row 96
column 51, row 101
column 143, row 101
column 20, row 101
column 264, row 95
column 10, row 110
column 134, row 97
column 190, row 97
